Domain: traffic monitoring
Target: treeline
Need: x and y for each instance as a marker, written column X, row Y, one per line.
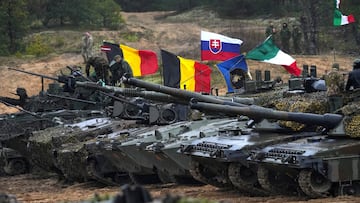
column 18, row 18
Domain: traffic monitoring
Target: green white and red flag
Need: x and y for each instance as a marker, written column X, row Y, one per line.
column 268, row 52
column 339, row 18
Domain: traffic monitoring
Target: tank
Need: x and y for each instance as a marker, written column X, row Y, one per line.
column 107, row 165
column 175, row 165
column 323, row 165
column 80, row 161
column 17, row 127
column 222, row 160
column 42, row 145
column 135, row 149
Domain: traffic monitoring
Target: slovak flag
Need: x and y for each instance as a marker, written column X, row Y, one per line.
column 218, row 47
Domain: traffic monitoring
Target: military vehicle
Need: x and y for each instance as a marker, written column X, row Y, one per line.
column 323, row 165
column 164, row 154
column 89, row 164
column 12, row 162
column 222, row 160
column 42, row 145
column 107, row 165
column 140, row 169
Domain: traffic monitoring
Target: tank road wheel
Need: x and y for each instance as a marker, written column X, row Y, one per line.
column 205, row 175
column 268, row 180
column 314, row 184
column 16, row 167
column 245, row 179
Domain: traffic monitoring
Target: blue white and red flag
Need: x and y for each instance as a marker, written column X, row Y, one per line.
column 218, row 47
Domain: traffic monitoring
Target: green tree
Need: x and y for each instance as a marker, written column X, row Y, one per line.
column 107, row 14
column 14, row 25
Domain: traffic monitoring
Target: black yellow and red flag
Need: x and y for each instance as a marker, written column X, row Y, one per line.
column 142, row 62
column 182, row 73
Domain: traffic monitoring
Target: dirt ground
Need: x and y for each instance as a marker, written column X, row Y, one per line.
column 30, row 189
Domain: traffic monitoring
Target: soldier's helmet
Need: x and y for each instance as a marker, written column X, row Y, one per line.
column 335, row 66
column 356, row 64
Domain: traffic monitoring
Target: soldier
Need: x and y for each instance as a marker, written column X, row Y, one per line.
column 353, row 81
column 86, row 48
column 101, row 69
column 285, row 36
column 270, row 30
column 296, row 36
column 335, row 86
column 119, row 68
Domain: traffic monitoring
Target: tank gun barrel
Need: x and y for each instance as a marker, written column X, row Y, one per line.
column 329, row 121
column 130, row 92
column 187, row 95
column 35, row 74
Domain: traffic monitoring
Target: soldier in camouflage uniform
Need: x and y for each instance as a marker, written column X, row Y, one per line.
column 101, row 69
column 296, row 38
column 285, row 36
column 335, row 87
column 86, row 46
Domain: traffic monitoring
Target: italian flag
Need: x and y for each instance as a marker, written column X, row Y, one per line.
column 268, row 52
column 339, row 18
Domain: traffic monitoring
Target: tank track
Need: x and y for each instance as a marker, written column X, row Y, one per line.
column 92, row 172
column 306, row 178
column 269, row 182
column 198, row 171
column 144, row 179
column 250, row 186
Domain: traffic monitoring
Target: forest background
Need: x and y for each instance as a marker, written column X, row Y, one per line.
column 22, row 21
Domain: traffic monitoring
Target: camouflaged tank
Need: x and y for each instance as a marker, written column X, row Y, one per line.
column 323, row 165
column 79, row 162
column 222, row 160
column 17, row 127
column 42, row 145
column 175, row 165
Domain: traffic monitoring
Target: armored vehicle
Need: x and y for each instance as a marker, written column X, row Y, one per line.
column 12, row 162
column 320, row 165
column 134, row 150
column 106, row 164
column 222, row 160
column 81, row 161
column 175, row 165
column 42, row 145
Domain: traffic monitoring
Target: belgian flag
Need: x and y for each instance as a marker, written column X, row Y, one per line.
column 184, row 73
column 142, row 62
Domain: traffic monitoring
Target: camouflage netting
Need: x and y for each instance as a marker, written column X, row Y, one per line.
column 42, row 143
column 306, row 103
column 266, row 99
column 352, row 119
column 71, row 160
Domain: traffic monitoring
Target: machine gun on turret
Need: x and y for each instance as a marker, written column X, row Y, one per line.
column 57, row 97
